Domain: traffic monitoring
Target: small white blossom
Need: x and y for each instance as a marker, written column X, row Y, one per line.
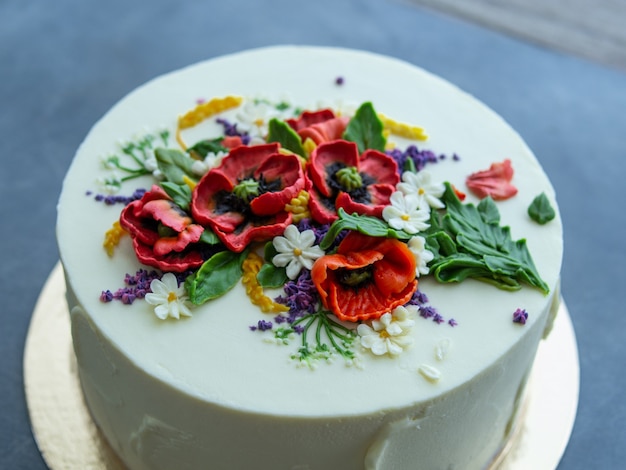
column 212, row 160
column 405, row 213
column 255, row 116
column 168, row 297
column 420, row 184
column 388, row 334
column 417, row 245
column 296, row 250
column 111, row 184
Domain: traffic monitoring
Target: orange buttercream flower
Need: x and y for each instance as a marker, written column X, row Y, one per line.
column 366, row 278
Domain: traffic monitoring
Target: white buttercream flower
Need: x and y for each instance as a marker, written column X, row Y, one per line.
column 212, row 160
column 388, row 334
column 417, row 245
column 255, row 116
column 296, row 250
column 405, row 213
column 168, row 297
column 420, row 184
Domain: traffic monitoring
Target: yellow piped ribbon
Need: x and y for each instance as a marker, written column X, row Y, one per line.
column 112, row 237
column 251, row 267
column 204, row 111
column 402, row 129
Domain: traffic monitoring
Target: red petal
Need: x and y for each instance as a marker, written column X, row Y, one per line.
column 308, row 118
column 326, row 131
column 320, row 212
column 494, row 182
column 380, row 167
column 243, row 161
column 203, row 204
column 176, row 262
column 238, row 240
column 288, row 170
column 191, row 234
column 326, row 154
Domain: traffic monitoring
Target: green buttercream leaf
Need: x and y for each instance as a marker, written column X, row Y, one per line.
column 540, row 210
column 209, row 237
column 366, row 129
column 283, row 133
column 174, row 164
column 468, row 242
column 215, row 277
column 204, row 147
column 272, row 276
column 365, row 224
column 488, row 211
column 180, row 194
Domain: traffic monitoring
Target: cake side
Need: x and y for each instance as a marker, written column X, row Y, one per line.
column 181, row 360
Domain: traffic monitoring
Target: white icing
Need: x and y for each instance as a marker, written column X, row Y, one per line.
column 442, row 349
column 430, row 373
column 241, row 398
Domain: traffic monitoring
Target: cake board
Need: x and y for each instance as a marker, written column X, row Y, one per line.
column 67, row 437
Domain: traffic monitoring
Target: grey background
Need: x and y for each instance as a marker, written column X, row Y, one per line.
column 64, row 63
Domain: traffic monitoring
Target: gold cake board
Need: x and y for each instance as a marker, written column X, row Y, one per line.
column 68, row 438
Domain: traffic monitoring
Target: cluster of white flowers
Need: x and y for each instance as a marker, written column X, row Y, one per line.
column 254, row 116
column 410, row 211
column 388, row 334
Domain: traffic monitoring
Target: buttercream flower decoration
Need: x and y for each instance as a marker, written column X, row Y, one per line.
column 296, row 250
column 388, row 334
column 406, row 213
column 212, row 160
column 168, row 298
column 319, row 126
column 422, row 186
column 243, row 200
column 164, row 236
column 338, row 177
column 417, row 245
column 366, row 278
column 254, row 117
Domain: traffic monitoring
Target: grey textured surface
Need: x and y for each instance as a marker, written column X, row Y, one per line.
column 595, row 29
column 63, row 64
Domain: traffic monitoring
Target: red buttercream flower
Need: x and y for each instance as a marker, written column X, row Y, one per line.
column 243, row 200
column 163, row 235
column 319, row 126
column 494, row 182
column 338, row 177
column 366, row 278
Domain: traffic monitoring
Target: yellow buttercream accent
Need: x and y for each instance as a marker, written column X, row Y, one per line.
column 309, row 145
column 204, row 111
column 299, row 206
column 112, row 237
column 189, row 182
column 251, row 267
column 403, row 130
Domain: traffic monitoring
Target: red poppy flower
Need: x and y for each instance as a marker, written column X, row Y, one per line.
column 494, row 182
column 163, row 235
column 319, row 126
column 243, row 200
column 338, row 177
column 366, row 278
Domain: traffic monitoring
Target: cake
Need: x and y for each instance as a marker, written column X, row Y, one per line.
column 306, row 258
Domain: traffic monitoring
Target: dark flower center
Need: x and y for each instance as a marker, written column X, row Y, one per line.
column 354, row 277
column 349, row 180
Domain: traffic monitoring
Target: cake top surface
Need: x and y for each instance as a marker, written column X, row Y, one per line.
column 228, row 351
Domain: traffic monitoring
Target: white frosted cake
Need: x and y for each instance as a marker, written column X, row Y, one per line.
column 306, row 258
